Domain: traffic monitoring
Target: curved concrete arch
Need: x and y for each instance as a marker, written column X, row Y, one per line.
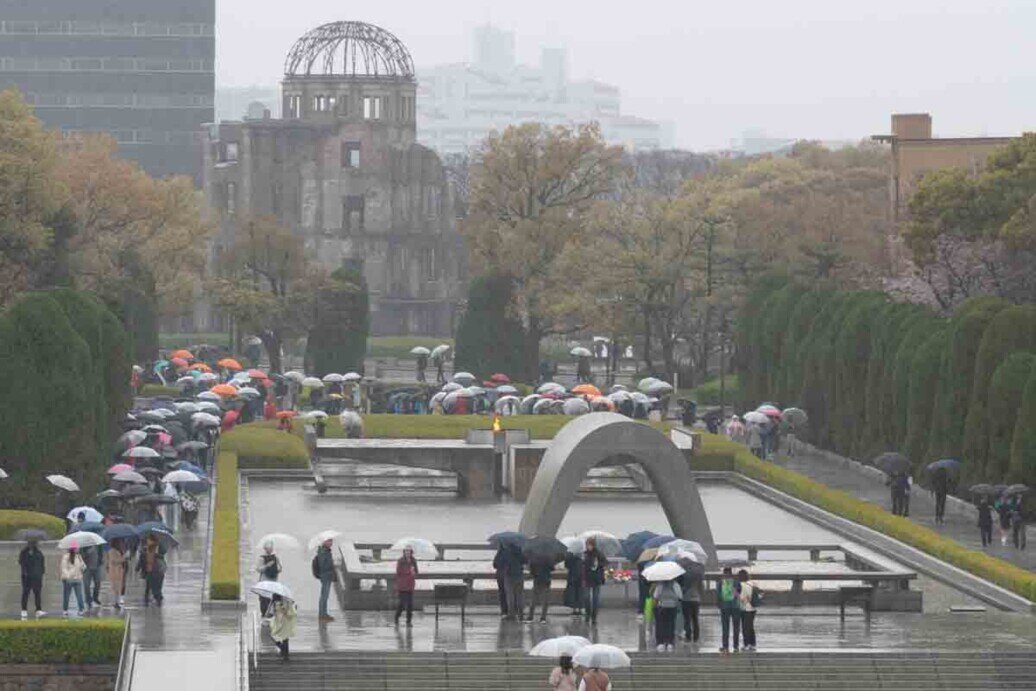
column 588, row 440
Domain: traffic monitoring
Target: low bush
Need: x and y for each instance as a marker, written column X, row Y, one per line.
column 55, row 641
column 388, row 426
column 224, row 569
column 157, row 390
column 11, row 521
column 1002, row 573
column 262, row 445
column 708, row 393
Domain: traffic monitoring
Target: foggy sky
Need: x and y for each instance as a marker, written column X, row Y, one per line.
column 820, row 69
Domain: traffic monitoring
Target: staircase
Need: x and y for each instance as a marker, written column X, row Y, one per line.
column 848, row 671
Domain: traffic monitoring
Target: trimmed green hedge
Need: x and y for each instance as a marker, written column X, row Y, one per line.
column 258, row 445
column 1002, row 573
column 11, row 521
column 708, row 393
column 224, row 569
column 54, row 641
column 388, row 426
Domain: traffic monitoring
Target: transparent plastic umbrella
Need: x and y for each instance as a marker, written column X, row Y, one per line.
column 281, row 541
column 601, row 656
column 556, row 647
column 423, row 549
column 322, row 537
column 81, row 539
column 63, row 482
column 663, row 571
column 606, row 542
column 271, row 588
column 89, row 514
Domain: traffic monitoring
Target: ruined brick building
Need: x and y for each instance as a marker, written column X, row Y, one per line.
column 343, row 169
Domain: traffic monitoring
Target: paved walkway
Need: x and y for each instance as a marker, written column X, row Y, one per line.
column 958, row 526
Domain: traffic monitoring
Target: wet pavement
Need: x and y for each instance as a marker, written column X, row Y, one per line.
column 963, row 529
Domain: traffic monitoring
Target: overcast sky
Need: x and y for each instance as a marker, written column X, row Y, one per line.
column 821, row 69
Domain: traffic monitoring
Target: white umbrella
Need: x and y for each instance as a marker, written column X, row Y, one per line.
column 756, row 417
column 133, row 437
column 575, row 406
column 3, row 474
column 180, row 476
column 130, row 476
column 90, row 514
column 248, row 391
column 674, row 547
column 141, row 452
column 63, row 482
column 208, row 396
column 352, row 376
column 315, row 415
column 580, row 351
column 138, row 369
column 663, row 571
column 294, row 375
column 464, row 378
column 549, row 386
column 205, row 420
column 660, row 388
column 313, row 383
column 81, row 539
column 333, row 378
column 209, row 407
column 240, row 377
column 184, row 381
column 208, row 376
column 322, row 537
column 271, row 588
column 601, row 656
column 423, row 549
column 574, row 544
column 556, row 647
column 186, row 406
column 646, row 383
column 280, row 541
column 606, row 542
column 440, row 350
column 420, row 350
column 450, row 387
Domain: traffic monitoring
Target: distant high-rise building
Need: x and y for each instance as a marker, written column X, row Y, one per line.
column 460, row 104
column 139, row 70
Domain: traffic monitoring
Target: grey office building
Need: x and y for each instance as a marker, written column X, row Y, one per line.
column 140, row 70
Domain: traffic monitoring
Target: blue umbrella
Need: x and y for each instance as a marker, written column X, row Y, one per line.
column 507, row 537
column 633, row 545
column 153, row 525
column 190, row 467
column 119, row 531
column 947, row 464
column 657, row 541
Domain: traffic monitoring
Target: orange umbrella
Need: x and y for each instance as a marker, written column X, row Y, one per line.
column 587, row 390
column 179, row 362
column 230, row 363
column 201, row 367
column 223, row 390
column 286, row 413
column 185, row 354
column 602, row 402
column 257, row 374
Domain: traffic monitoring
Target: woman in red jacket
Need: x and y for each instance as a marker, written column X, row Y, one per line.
column 406, row 580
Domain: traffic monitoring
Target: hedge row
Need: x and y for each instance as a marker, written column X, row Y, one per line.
column 259, row 445
column 158, row 391
column 65, row 364
column 13, row 520
column 55, row 641
column 878, row 376
column 1002, row 573
column 224, row 569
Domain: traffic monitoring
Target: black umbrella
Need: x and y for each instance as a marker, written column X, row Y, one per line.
column 119, row 531
column 1016, row 490
column 108, row 494
column 164, row 536
column 950, row 465
column 892, row 462
column 545, row 549
column 155, row 472
column 507, row 537
column 135, row 491
column 983, row 489
column 156, row 499
column 31, row 535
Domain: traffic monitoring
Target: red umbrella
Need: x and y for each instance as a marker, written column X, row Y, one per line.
column 179, row 362
column 257, row 374
column 500, row 378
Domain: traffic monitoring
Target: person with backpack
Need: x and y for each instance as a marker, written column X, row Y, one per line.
column 268, row 566
column 324, row 570
column 690, row 604
column 749, row 598
column 727, row 594
column 667, row 596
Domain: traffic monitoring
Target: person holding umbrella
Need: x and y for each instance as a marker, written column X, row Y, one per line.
column 594, row 565
column 667, row 596
column 691, row 587
column 563, row 677
column 268, row 566
column 33, row 566
column 406, row 583
column 941, row 488
column 71, row 568
column 151, row 565
column 985, row 521
column 115, row 566
column 282, row 628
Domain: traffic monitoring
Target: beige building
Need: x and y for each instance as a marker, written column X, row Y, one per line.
column 915, row 152
column 342, row 168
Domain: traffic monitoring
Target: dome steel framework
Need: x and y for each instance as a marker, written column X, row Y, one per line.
column 349, row 49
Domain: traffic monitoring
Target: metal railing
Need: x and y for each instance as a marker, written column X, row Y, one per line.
column 242, row 654
column 127, row 656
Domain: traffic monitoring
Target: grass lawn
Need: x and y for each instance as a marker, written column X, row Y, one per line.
column 386, row 426
column 399, row 346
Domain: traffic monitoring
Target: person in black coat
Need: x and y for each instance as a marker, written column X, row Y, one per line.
column 594, row 565
column 33, row 566
column 499, row 564
column 985, row 522
column 574, row 583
